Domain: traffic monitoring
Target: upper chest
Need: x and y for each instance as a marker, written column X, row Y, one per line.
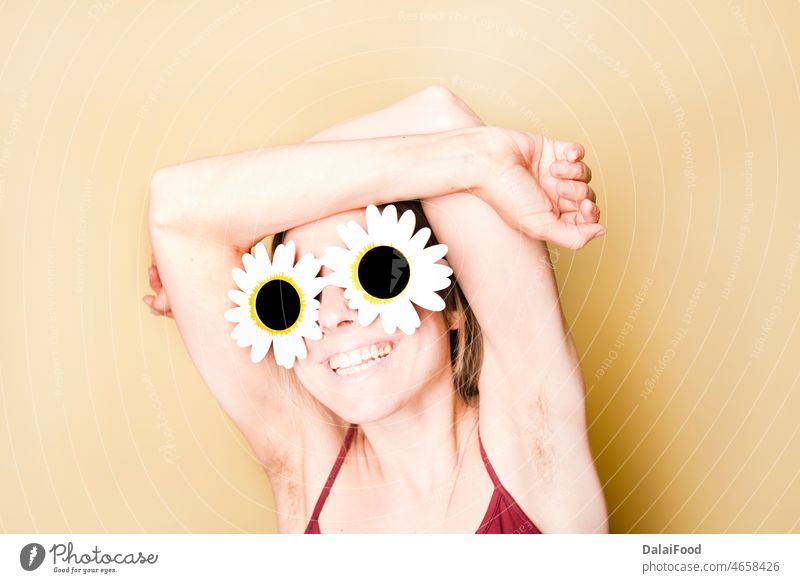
column 358, row 502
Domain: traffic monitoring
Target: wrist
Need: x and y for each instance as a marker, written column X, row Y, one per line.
column 423, row 166
column 488, row 156
column 469, row 158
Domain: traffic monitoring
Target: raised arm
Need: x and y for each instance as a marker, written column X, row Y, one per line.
column 204, row 214
column 238, row 199
column 532, row 377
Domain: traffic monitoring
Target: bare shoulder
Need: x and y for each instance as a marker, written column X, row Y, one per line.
column 541, row 453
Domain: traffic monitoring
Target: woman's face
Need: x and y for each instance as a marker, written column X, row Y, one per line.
column 405, row 365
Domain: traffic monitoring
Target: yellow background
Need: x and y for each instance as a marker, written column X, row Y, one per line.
column 686, row 313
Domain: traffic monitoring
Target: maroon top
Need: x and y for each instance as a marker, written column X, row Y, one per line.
column 504, row 516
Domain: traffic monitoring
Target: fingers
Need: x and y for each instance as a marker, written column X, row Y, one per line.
column 570, row 151
column 155, row 279
column 589, row 212
column 571, row 170
column 573, row 236
column 583, row 211
column 159, row 305
column 149, row 301
column 575, row 190
column 566, row 205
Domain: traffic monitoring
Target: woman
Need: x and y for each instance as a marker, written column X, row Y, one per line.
column 493, row 442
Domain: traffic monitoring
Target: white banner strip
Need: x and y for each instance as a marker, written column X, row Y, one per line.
column 401, row 558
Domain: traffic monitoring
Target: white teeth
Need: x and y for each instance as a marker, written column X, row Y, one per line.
column 350, row 362
column 354, row 369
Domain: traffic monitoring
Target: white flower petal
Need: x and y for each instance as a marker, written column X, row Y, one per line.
column 367, row 314
column 406, row 316
column 434, row 253
column 440, row 270
column 248, row 333
column 307, row 267
column 238, row 314
column 430, row 277
column 355, row 299
column 261, row 255
column 374, row 222
column 260, row 347
column 337, row 258
column 439, row 283
column 429, row 301
column 313, row 333
column 420, row 238
column 312, row 305
column 405, row 227
column 312, row 288
column 353, row 235
column 283, row 351
column 283, row 259
column 298, row 347
column 309, row 329
column 250, row 264
column 339, row 279
column 239, row 297
column 243, row 333
column 245, row 282
column 389, row 223
column 388, row 319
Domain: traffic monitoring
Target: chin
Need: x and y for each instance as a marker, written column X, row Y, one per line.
column 366, row 412
column 368, row 400
column 362, row 399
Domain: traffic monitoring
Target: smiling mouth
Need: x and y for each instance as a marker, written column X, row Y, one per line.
column 347, row 363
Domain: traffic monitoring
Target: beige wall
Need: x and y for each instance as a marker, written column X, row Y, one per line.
column 686, row 314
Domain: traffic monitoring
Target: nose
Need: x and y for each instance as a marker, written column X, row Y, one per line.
column 333, row 309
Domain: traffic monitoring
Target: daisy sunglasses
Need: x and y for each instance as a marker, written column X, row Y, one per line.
column 383, row 271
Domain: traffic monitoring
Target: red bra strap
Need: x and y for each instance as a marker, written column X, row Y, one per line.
column 334, row 472
column 489, row 468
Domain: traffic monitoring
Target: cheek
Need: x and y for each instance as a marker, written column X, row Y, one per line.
column 304, row 374
column 434, row 331
column 431, row 350
column 312, row 378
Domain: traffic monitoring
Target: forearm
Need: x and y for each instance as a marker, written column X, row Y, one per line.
column 239, row 199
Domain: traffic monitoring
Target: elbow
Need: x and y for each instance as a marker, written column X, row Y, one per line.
column 162, row 201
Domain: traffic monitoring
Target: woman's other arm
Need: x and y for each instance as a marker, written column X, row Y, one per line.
column 532, row 374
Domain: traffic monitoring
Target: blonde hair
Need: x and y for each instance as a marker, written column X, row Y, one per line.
column 466, row 339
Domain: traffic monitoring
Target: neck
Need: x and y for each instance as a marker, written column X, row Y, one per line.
column 418, row 449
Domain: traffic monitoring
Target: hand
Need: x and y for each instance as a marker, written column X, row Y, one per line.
column 540, row 186
column 159, row 303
